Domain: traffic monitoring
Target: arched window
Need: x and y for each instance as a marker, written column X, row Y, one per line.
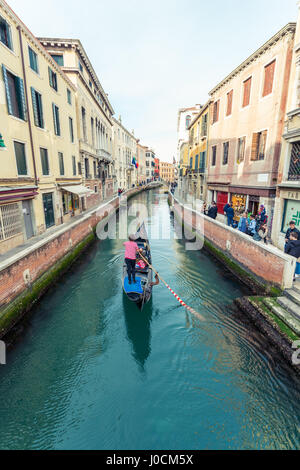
column 187, row 121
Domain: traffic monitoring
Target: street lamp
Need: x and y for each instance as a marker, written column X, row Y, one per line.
column 2, row 144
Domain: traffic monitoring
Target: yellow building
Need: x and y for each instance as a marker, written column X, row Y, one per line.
column 167, row 172
column 195, row 178
column 38, row 126
column 94, row 117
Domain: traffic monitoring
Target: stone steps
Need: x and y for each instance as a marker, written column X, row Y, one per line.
column 293, row 295
column 290, row 306
column 296, row 286
column 283, row 314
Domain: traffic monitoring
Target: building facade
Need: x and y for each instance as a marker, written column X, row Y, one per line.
column 125, row 149
column 141, row 159
column 246, row 124
column 150, row 164
column 94, row 117
column 167, row 172
column 156, row 168
column 194, row 182
column 287, row 204
column 40, row 141
column 184, row 119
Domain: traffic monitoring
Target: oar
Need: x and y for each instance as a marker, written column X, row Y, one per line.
column 190, row 309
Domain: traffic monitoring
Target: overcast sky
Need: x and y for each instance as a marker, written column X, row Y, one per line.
column 155, row 56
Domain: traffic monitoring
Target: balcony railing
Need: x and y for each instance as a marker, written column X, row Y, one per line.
column 294, row 170
column 104, row 155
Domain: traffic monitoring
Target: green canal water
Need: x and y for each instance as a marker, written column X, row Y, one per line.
column 90, row 371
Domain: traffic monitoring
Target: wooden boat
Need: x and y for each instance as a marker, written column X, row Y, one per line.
column 141, row 291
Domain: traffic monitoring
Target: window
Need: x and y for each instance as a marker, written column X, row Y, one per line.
column 52, row 79
column 258, row 149
column 229, row 103
column 74, row 165
column 214, row 155
column 241, row 149
column 33, row 60
column 93, row 134
column 80, row 66
column 45, row 162
column 61, row 164
column 196, row 162
column 79, row 168
column 83, row 116
column 204, row 125
column 269, row 78
column 247, row 91
column 216, row 111
column 187, row 122
column 71, row 129
column 15, row 95
column 5, row 33
column 21, row 158
column 95, row 169
column 96, row 189
column 191, row 162
column 37, row 108
column 10, row 220
column 56, row 119
column 90, row 83
column 225, row 152
column 69, row 96
column 202, row 162
column 59, row 59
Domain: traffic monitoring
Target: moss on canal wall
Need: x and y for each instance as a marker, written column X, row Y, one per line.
column 12, row 313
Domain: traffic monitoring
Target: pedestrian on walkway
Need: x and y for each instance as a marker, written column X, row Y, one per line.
column 251, row 226
column 213, row 211
column 292, row 248
column 243, row 223
column 290, row 230
column 261, row 234
column 230, row 215
column 226, row 207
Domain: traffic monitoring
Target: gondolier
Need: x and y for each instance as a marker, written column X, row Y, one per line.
column 131, row 250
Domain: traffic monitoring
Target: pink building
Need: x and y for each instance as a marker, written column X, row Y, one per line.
column 247, row 117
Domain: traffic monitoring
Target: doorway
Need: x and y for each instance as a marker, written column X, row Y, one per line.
column 48, row 209
column 27, row 215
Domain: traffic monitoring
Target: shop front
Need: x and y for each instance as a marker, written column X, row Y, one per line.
column 239, row 203
column 73, row 200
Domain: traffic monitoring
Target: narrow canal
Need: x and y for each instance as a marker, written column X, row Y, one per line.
column 92, row 372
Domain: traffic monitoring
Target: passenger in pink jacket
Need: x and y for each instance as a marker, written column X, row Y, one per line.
column 131, row 249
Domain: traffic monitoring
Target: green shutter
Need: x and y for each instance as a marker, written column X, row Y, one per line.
column 50, row 76
column 35, row 107
column 20, row 158
column 8, row 99
column 40, row 103
column 54, row 118
column 21, row 97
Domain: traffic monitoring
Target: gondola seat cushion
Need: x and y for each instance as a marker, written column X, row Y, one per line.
column 133, row 288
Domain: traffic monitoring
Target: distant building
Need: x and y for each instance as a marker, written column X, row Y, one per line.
column 141, row 159
column 156, row 168
column 167, row 172
column 184, row 119
column 125, row 149
column 150, row 164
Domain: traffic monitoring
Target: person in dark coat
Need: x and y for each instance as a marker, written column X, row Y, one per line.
column 292, row 247
column 292, row 229
column 225, row 208
column 213, row 211
column 230, row 215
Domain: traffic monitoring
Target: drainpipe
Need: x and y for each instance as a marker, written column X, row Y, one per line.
column 27, row 101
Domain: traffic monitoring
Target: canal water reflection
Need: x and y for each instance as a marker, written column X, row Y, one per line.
column 90, row 371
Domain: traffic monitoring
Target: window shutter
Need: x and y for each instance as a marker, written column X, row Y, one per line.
column 50, row 76
column 41, row 111
column 9, row 105
column 269, row 78
column 54, row 118
column 254, row 148
column 21, row 92
column 35, row 107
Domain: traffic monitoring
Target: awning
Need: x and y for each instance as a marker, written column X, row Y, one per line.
column 77, row 189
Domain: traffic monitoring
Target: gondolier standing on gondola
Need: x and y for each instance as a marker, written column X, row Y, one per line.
column 131, row 250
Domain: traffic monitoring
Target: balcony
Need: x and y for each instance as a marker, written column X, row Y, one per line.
column 294, row 170
column 104, row 155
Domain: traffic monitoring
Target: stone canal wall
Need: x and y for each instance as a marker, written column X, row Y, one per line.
column 25, row 276
column 262, row 266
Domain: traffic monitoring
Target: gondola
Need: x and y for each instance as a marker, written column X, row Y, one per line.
column 141, row 291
